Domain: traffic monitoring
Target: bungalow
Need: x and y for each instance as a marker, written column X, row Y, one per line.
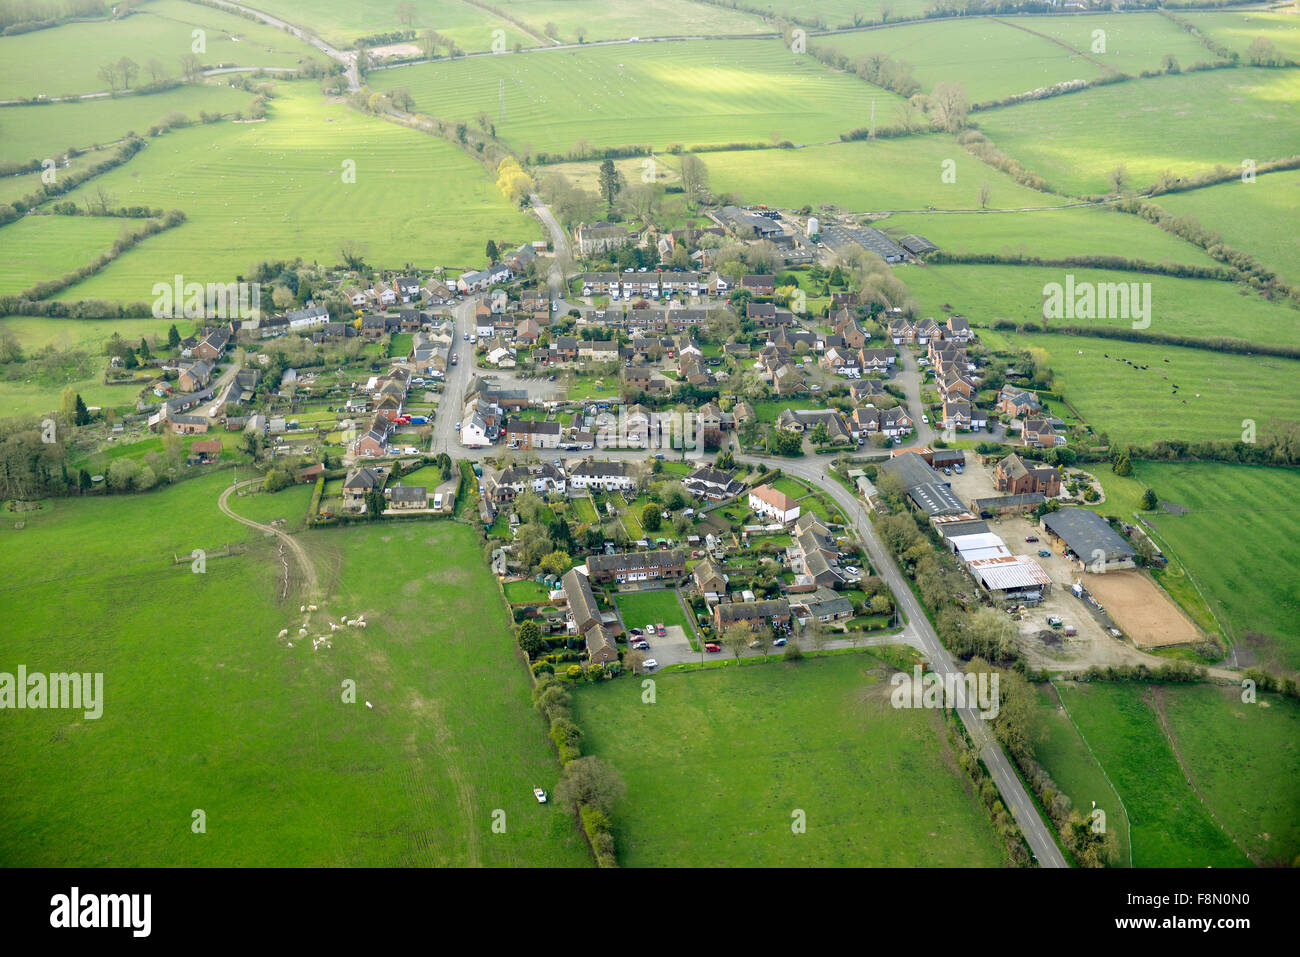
column 406, row 497
column 825, row 605
column 601, row 649
column 771, row 503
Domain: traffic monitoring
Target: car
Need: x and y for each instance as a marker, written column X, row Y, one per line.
column 756, row 643
column 1044, row 553
column 780, row 641
column 712, row 646
column 1031, row 538
column 946, row 470
column 649, row 664
column 550, row 378
column 457, row 426
column 540, row 795
column 467, row 337
column 586, row 446
column 634, row 632
column 659, row 455
column 640, row 644
column 925, row 418
column 660, row 629
column 650, row 629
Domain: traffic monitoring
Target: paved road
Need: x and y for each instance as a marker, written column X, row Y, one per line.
column 560, row 242
column 349, row 60
column 451, row 403
column 919, row 628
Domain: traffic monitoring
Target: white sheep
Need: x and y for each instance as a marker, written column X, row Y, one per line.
column 302, row 631
column 369, row 705
column 363, row 624
column 311, row 607
column 283, row 633
column 291, row 644
column 302, row 607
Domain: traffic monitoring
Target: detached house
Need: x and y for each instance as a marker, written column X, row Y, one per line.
column 1015, row 476
column 1040, row 434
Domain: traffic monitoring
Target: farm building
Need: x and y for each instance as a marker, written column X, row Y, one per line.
column 1015, row 577
column 1090, row 539
column 1007, row 504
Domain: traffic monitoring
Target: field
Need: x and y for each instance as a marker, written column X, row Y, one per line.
column 1257, row 217
column 1185, row 124
column 1133, row 42
column 17, row 187
column 600, row 20
column 205, row 708
column 342, row 22
column 696, row 92
column 1141, row 609
column 45, row 247
column 1202, row 308
column 157, row 30
column 1239, row 573
column 1135, row 405
column 1238, row 30
column 640, row 608
column 1150, row 739
column 718, row 766
column 833, row 14
column 991, row 59
column 36, row 132
column 864, row 176
column 278, row 187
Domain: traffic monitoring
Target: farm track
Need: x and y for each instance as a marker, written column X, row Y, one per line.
column 311, row 582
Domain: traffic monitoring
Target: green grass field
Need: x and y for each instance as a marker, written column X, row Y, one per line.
column 205, row 708
column 1237, row 572
column 277, row 190
column 1139, row 405
column 696, row 92
column 37, row 132
column 1185, row 124
column 641, row 608
column 1238, row 30
column 46, row 247
column 342, row 22
column 990, row 59
column 1173, row 822
column 1202, row 308
column 865, row 176
column 599, row 20
column 833, row 14
column 1049, row 233
column 1257, row 217
column 18, row 187
column 1131, row 42
column 717, row 767
column 160, row 30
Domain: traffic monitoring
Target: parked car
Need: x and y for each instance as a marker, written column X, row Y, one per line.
column 660, row 629
column 1031, row 538
column 780, row 641
column 712, row 646
column 925, row 418
column 1044, row 553
column 540, row 795
column 634, row 632
column 649, row 664
column 946, row 470
column 640, row 644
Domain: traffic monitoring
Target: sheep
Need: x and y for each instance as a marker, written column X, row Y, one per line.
column 311, row 607
column 302, row 631
column 283, row 633
column 291, row 644
column 302, row 607
column 369, row 705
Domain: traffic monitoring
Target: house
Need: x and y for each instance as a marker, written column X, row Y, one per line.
column 773, row 504
column 869, row 421
column 474, row 430
column 1016, row 476
column 528, row 434
column 482, row 279
column 712, row 484
column 213, row 345
column 958, row 330
column 1018, row 402
column 598, row 350
column 742, row 413
column 437, row 292
column 1090, row 540
column 354, row 295
column 374, row 441
column 788, row 379
column 601, row 237
column 506, row 485
column 759, row 285
column 358, row 482
column 756, row 614
column 604, row 476
column 520, row 259
column 1040, row 434
column 709, row 579
column 526, row 332
column 405, row 497
column 637, row 566
column 600, row 283
column 902, row 332
column 807, row 420
column 204, row 452
column 584, row 613
column 195, row 377
column 601, row 649
column 956, row 415
column 825, row 605
column 408, row 288
column 384, row 294
column 313, row 317
column 186, row 424
column 876, row 360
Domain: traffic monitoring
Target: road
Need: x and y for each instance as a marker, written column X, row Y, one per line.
column 451, row 404
column 921, row 634
column 560, row 242
column 348, row 60
column 310, row 580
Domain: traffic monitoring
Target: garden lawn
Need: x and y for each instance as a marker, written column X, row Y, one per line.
column 876, row 786
column 641, row 608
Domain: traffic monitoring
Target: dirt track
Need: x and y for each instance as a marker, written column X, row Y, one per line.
column 311, row 581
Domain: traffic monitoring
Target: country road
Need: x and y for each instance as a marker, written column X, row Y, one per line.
column 310, row 579
column 921, row 634
column 347, row 59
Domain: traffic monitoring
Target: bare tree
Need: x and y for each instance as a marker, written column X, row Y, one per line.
column 737, row 637
column 695, row 177
column 986, row 192
column 129, row 70
column 949, row 105
column 191, row 67
column 157, row 72
column 406, row 13
column 108, row 73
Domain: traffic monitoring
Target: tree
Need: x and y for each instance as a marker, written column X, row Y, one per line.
column 1149, row 500
column 695, row 177
column 406, row 13
column 530, row 639
column 191, row 67
column 610, row 180
column 986, row 193
column 276, row 480
column 820, row 434
column 949, row 105
column 173, row 337
column 1122, row 465
column 428, row 43
column 80, row 414
column 817, row 632
column 633, row 660
column 1118, row 178
column 736, row 638
column 282, row 297
column 491, row 251
column 589, row 782
column 792, row 651
column 144, row 349
column 651, row 517
column 374, row 504
column 353, row 253
column 108, row 73
column 556, row 563
column 128, row 69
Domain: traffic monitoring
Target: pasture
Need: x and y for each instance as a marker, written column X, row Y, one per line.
column 278, row 190
column 863, row 175
column 25, row 184
column 1183, row 124
column 1257, row 217
column 208, row 709
column 1049, row 233
column 158, row 31
column 834, row 14
column 1236, row 540
column 719, row 765
column 1150, row 739
column 1140, row 406
column 990, row 58
column 1237, row 30
column 46, row 247
column 1202, row 308
column 1129, row 42
column 688, row 92
column 600, row 20
column 342, row 22
column 35, row 132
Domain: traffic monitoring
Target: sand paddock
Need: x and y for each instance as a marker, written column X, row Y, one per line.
column 1141, row 609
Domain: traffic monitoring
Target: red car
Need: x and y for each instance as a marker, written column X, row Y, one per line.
column 712, row 646
column 1031, row 538
column 659, row 627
